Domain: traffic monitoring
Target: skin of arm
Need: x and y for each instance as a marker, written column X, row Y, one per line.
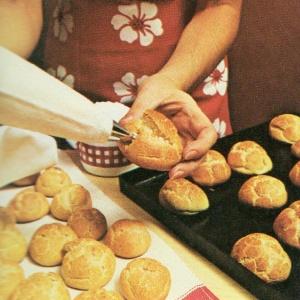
column 203, row 43
column 20, row 25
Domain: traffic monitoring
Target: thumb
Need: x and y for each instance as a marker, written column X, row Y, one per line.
column 133, row 114
column 137, row 110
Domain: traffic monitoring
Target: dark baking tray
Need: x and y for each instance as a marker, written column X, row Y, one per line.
column 213, row 233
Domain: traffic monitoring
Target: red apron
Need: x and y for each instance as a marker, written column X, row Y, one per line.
column 105, row 49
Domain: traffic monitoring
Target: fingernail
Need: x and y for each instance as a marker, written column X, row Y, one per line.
column 178, row 174
column 191, row 154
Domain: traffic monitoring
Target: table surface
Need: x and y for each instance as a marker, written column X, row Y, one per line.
column 217, row 281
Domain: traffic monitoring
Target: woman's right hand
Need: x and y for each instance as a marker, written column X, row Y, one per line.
column 197, row 132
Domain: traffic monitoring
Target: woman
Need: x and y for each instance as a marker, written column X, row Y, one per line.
column 146, row 54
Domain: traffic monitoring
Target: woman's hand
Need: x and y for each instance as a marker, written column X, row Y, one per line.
column 197, row 132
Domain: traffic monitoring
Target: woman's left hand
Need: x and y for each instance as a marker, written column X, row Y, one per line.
column 197, row 132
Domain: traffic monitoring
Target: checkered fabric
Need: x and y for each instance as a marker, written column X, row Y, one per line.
column 104, row 157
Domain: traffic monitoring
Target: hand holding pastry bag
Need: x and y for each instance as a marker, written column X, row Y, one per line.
column 32, row 99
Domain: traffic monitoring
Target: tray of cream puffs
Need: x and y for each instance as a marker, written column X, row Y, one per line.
column 241, row 206
column 62, row 238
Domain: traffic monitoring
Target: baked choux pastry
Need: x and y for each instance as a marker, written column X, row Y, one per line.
column 157, row 144
column 47, row 244
column 183, row 197
column 68, row 200
column 145, row 279
column 248, row 157
column 128, row 238
column 87, row 264
column 212, row 169
column 294, row 174
column 287, row 225
column 7, row 217
column 13, row 245
column 263, row 191
column 41, row 286
column 11, row 274
column 99, row 293
column 285, row 128
column 29, row 205
column 88, row 223
column 295, row 149
column 263, row 256
column 51, row 181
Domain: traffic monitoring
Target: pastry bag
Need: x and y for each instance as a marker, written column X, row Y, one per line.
column 32, row 99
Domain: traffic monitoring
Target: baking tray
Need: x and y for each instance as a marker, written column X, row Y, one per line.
column 212, row 233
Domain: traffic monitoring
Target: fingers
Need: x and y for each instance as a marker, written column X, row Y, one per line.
column 197, row 148
column 193, row 152
column 183, row 169
column 202, row 137
column 179, row 101
column 198, row 133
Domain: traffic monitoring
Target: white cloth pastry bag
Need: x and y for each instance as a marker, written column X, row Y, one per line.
column 32, row 99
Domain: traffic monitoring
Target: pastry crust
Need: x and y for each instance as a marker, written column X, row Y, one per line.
column 47, row 244
column 69, row 199
column 287, row 225
column 13, row 245
column 157, row 145
column 45, row 286
column 88, row 223
column 29, row 205
column 263, row 255
column 294, row 174
column 99, row 293
column 87, row 264
column 128, row 238
column 145, row 279
column 263, row 191
column 248, row 157
column 285, row 128
column 212, row 169
column 182, row 196
column 11, row 274
column 7, row 217
column 51, row 181
column 295, row 149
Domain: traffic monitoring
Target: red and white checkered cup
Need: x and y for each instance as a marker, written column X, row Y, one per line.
column 105, row 159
